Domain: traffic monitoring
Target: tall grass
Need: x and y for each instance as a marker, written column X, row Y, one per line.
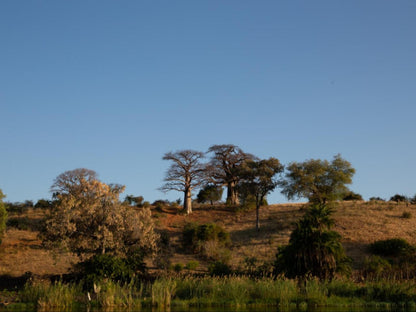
column 57, row 296
column 162, row 292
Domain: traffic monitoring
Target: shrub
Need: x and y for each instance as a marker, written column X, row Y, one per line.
column 376, row 199
column 406, row 215
column 391, row 247
column 398, row 198
column 194, row 235
column 375, row 266
column 192, row 265
column 110, row 267
column 352, row 196
column 219, row 268
column 313, row 249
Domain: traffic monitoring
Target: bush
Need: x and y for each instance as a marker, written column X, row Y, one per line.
column 398, row 198
column 194, row 235
column 352, row 196
column 313, row 249
column 375, row 266
column 110, row 267
column 192, row 265
column 219, row 268
column 406, row 215
column 391, row 247
column 376, row 199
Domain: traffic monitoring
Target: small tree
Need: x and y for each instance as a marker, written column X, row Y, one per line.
column 352, row 196
column 88, row 218
column 399, row 198
column 210, row 193
column 318, row 180
column 313, row 249
column 258, row 177
column 3, row 216
column 185, row 174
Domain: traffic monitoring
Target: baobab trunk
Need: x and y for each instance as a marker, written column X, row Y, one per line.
column 232, row 194
column 187, row 201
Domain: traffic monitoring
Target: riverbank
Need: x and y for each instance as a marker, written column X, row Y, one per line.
column 233, row 291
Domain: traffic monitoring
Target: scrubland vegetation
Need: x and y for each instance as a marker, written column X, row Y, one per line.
column 87, row 247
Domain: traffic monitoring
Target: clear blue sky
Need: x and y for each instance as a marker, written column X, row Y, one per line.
column 113, row 85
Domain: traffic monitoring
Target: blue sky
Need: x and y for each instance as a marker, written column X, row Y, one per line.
column 113, row 85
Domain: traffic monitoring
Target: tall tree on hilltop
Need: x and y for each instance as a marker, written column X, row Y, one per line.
column 224, row 167
column 185, row 174
column 320, row 181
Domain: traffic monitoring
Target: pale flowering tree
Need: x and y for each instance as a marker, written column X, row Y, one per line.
column 89, row 218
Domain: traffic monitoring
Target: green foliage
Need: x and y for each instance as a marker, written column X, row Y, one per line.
column 43, row 204
column 375, row 266
column 313, row 249
column 319, row 181
column 393, row 247
column 376, row 199
column 219, row 268
column 192, row 265
column 178, row 267
column 210, row 193
column 399, row 198
column 110, row 267
column 58, row 296
column 3, row 216
column 352, row 196
column 248, row 201
column 194, row 235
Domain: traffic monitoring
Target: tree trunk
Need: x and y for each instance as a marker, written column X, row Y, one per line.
column 187, row 201
column 257, row 218
column 232, row 194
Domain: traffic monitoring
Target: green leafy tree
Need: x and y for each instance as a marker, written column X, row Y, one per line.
column 210, row 193
column 185, row 174
column 89, row 219
column 399, row 198
column 313, row 249
column 3, row 216
column 352, row 196
column 224, row 167
column 258, row 178
column 320, row 181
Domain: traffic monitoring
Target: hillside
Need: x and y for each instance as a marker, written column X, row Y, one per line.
column 359, row 223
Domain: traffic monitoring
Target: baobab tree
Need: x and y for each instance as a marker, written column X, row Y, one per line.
column 185, row 174
column 224, row 166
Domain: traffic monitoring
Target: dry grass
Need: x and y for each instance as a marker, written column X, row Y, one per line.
column 359, row 223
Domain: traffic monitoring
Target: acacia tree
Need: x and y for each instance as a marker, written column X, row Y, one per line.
column 258, row 177
column 185, row 174
column 88, row 218
column 224, row 168
column 317, row 180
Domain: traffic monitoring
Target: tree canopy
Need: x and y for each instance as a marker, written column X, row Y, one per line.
column 258, row 178
column 88, row 218
column 317, row 180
